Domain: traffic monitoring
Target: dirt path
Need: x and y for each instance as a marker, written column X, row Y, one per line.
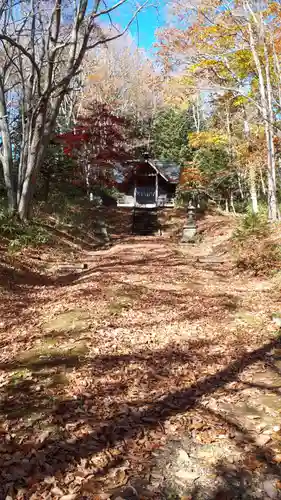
column 152, row 374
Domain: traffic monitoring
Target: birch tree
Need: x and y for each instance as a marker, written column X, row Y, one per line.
column 266, row 103
column 233, row 46
column 42, row 47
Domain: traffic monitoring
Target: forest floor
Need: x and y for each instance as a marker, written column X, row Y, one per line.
column 154, row 373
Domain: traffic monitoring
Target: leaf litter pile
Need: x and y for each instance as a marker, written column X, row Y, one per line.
column 104, row 370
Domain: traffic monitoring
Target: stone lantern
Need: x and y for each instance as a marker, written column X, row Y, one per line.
column 189, row 229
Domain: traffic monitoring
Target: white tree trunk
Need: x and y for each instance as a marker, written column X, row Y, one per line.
column 271, row 178
column 34, row 159
column 272, row 188
column 196, row 111
column 263, row 188
column 253, row 190
column 277, row 69
column 267, row 114
column 6, row 156
column 240, row 185
column 232, row 203
column 31, row 161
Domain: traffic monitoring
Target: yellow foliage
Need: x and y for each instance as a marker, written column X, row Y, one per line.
column 207, row 138
column 176, row 92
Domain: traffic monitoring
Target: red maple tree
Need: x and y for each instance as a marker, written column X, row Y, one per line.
column 99, row 143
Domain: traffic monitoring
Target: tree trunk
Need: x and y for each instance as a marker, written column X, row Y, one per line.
column 23, row 160
column 197, row 113
column 240, row 186
column 252, row 171
column 276, row 68
column 34, row 45
column 25, row 199
column 271, row 178
column 7, row 162
column 253, row 190
column 263, row 188
column 266, row 110
column 34, row 159
column 6, row 157
column 272, row 195
column 232, row 203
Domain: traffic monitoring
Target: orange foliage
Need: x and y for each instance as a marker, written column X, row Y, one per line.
column 190, row 177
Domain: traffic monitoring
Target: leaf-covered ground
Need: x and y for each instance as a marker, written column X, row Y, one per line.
column 102, row 369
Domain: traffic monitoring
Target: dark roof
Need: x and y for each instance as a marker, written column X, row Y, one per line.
column 168, row 169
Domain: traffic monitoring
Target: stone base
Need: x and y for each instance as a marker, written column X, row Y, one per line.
column 188, row 234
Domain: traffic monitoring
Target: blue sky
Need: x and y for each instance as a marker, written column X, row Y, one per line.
column 143, row 31
column 148, row 21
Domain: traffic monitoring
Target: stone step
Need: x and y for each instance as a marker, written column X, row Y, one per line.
column 145, row 221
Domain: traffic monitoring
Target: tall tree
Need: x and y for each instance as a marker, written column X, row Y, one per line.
column 169, row 134
column 42, row 46
column 232, row 46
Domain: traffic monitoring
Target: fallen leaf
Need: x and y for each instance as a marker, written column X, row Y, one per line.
column 44, row 435
column 49, row 479
column 263, row 439
column 170, row 334
column 91, row 486
column 70, row 496
column 101, row 496
column 57, row 491
column 278, row 485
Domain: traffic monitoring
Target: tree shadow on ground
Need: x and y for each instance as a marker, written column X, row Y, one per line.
column 17, row 285
column 35, row 368
column 142, row 266
column 255, row 475
column 19, row 281
column 83, row 239
column 190, row 299
column 64, row 408
column 17, row 274
column 77, row 430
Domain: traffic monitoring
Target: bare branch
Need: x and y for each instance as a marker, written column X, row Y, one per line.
column 115, row 37
column 108, row 10
column 21, row 48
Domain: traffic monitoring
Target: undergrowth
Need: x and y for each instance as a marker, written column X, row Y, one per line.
column 61, row 221
column 20, row 234
column 252, row 225
column 255, row 250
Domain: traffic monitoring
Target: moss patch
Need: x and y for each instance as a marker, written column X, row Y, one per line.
column 76, row 320
column 249, row 318
column 47, row 356
column 120, row 304
column 20, row 375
